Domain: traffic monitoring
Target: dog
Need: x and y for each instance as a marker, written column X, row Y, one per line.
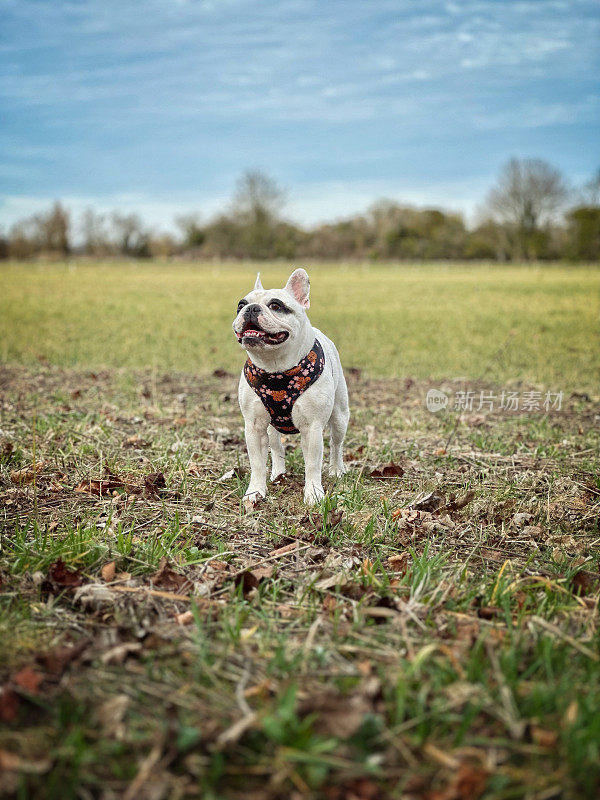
column 292, row 382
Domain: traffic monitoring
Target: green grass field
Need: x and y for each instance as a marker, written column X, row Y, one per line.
column 433, row 635
column 427, row 321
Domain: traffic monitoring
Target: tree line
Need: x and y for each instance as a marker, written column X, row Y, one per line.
column 529, row 214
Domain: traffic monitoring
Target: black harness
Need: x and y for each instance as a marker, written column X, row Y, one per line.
column 280, row 390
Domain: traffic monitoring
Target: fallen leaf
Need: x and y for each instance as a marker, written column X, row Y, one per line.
column 489, row 612
column 398, row 562
column 56, row 660
column 250, row 578
column 135, row 442
column 9, row 761
column 9, row 704
column 428, row 501
column 251, row 502
column 543, row 737
column 61, row 576
column 7, row 449
column 585, row 583
column 390, row 470
column 28, row 679
column 461, row 502
column 521, row 520
column 166, row 578
column 108, row 571
column 468, row 783
column 261, row 573
column 155, row 483
column 102, row 486
column 27, row 474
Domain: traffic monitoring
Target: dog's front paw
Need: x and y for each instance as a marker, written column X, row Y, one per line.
column 313, row 494
column 337, row 470
column 251, row 500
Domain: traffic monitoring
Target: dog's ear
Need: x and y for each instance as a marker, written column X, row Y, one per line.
column 298, row 286
column 258, row 285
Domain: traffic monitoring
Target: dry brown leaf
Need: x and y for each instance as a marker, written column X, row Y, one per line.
column 135, row 442
column 155, row 483
column 468, row 783
column 100, row 487
column 543, row 737
column 250, row 578
column 56, row 660
column 28, row 679
column 9, row 704
column 398, row 562
column 166, row 578
column 428, row 501
column 27, row 474
column 108, row 571
column 585, row 583
column 390, row 470
column 251, row 503
column 9, row 761
column 489, row 612
column 60, row 576
column 462, row 502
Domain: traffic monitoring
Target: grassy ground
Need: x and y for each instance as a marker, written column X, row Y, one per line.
column 161, row 644
column 428, row 321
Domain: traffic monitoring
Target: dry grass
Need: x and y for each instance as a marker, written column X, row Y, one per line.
column 371, row 649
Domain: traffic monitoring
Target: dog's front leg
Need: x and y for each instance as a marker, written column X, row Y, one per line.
column 312, row 448
column 257, row 444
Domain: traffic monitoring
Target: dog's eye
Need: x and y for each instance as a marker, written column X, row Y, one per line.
column 241, row 304
column 275, row 306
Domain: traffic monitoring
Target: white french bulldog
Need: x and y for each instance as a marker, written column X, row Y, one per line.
column 293, row 380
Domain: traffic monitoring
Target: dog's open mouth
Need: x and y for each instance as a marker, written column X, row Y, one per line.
column 252, row 334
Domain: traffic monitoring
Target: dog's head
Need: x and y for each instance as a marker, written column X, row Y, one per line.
column 273, row 319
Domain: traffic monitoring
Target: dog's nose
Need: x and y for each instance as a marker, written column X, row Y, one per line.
column 253, row 309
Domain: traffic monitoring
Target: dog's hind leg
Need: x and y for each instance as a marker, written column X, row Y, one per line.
column 277, row 453
column 338, row 424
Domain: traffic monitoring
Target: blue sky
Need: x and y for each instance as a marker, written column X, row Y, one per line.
column 159, row 105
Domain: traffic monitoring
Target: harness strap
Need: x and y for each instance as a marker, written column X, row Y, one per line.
column 280, row 390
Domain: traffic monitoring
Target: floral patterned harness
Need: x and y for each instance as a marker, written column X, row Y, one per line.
column 280, row 390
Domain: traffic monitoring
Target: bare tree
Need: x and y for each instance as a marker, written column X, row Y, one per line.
column 46, row 233
column 528, row 195
column 591, row 191
column 56, row 227
column 192, row 229
column 257, row 197
column 96, row 241
column 257, row 204
column 131, row 238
